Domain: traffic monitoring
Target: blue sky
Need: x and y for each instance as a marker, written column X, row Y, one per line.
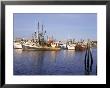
column 62, row 26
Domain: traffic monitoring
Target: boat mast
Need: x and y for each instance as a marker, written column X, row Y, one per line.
column 38, row 34
column 42, row 28
column 42, row 36
column 38, row 27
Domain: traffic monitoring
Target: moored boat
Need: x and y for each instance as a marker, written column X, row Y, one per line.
column 40, row 48
column 71, row 47
column 17, row 45
column 80, row 47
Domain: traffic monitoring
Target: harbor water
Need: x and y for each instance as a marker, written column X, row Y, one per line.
column 63, row 62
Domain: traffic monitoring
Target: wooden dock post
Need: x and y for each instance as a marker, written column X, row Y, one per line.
column 88, row 60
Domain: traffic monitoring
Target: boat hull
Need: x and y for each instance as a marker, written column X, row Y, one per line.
column 40, row 48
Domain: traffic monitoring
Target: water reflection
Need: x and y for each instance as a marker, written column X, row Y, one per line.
column 64, row 62
column 18, row 51
column 71, row 53
column 38, row 58
column 53, row 56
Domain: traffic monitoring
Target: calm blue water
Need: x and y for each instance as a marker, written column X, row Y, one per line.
column 64, row 62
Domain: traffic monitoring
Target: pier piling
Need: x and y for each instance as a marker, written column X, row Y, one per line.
column 88, row 60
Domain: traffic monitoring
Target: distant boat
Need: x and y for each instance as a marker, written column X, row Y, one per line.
column 80, row 47
column 71, row 46
column 17, row 45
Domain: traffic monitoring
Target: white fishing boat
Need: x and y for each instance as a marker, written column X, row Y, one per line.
column 71, row 46
column 17, row 45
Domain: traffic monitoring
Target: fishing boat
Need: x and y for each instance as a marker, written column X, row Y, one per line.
column 80, row 47
column 40, row 43
column 39, row 48
column 17, row 45
column 71, row 46
column 34, row 46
